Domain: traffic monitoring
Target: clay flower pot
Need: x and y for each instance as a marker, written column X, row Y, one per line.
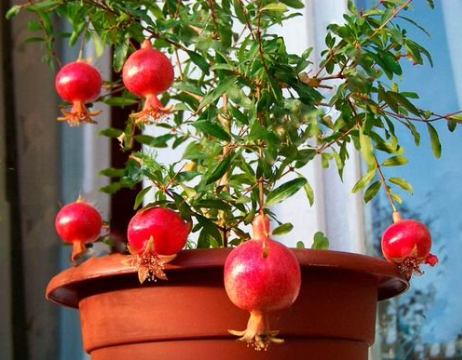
column 188, row 316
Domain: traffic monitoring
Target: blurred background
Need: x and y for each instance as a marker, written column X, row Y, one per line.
column 44, row 164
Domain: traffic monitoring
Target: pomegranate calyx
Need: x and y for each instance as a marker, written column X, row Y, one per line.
column 78, row 115
column 258, row 335
column 148, row 263
column 78, row 249
column 410, row 266
column 153, row 111
column 431, row 260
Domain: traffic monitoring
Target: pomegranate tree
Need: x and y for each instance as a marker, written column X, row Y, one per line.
column 407, row 243
column 148, row 73
column 249, row 116
column 78, row 223
column 261, row 276
column 155, row 236
column 78, row 83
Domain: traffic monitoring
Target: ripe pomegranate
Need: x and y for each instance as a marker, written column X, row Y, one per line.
column 148, row 73
column 78, row 223
column 78, row 83
column 261, row 276
column 155, row 236
column 408, row 244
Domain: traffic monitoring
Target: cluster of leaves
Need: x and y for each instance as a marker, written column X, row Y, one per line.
column 248, row 114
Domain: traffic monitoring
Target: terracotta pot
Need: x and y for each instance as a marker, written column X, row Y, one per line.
column 188, row 316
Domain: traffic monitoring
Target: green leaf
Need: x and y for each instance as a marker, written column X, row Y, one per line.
column 451, row 125
column 111, row 132
column 42, row 5
column 111, row 172
column 140, row 197
column 296, row 4
column 120, row 101
column 364, row 181
column 367, row 150
column 404, row 102
column 98, row 43
column 120, row 53
column 403, row 184
column 277, row 7
column 320, row 241
column 300, row 245
column 397, row 198
column 285, row 191
column 435, row 140
column 218, row 91
column 200, row 61
column 212, row 129
column 220, row 170
column 309, row 192
column 283, row 229
column 13, row 12
column 211, row 204
column 395, row 161
column 112, row 188
column 372, row 191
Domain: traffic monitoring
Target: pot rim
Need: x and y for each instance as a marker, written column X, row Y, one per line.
column 63, row 288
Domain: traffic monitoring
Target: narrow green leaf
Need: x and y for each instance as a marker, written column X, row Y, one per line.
column 140, row 197
column 98, row 43
column 120, row 101
column 300, row 245
column 111, row 172
column 320, row 242
column 395, row 161
column 435, row 140
column 120, row 53
column 296, row 4
column 42, row 5
column 309, row 192
column 13, row 12
column 111, row 132
column 283, row 229
column 112, row 188
column 285, row 191
column 220, row 170
column 364, row 181
column 403, row 184
column 212, row 129
column 277, row 7
column 397, row 198
column 451, row 125
column 404, row 102
column 218, row 91
column 200, row 61
column 372, row 191
column 367, row 150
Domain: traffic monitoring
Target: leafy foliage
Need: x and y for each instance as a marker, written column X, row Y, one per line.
column 247, row 112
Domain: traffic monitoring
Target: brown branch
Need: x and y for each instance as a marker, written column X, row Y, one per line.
column 385, row 186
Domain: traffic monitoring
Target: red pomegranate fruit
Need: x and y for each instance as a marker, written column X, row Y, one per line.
column 407, row 243
column 261, row 276
column 79, row 83
column 78, row 223
column 148, row 73
column 155, row 236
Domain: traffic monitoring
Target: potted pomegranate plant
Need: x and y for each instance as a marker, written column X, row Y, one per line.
column 215, row 78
